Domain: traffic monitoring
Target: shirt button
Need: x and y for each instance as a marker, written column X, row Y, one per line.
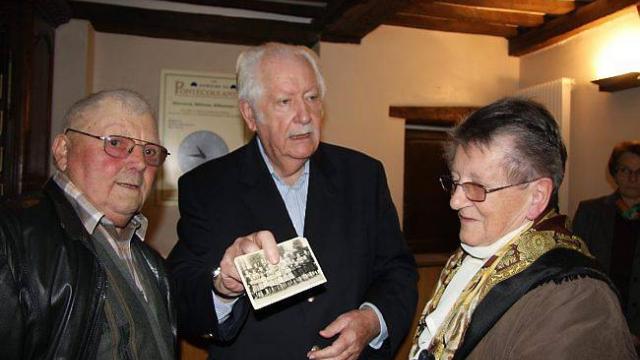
column 311, row 299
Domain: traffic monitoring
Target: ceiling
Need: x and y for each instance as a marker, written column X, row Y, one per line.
column 528, row 25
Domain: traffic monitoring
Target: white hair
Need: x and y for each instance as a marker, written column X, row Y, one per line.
column 249, row 82
column 131, row 100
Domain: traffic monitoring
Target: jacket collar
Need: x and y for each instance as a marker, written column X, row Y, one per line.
column 253, row 166
column 67, row 214
column 265, row 203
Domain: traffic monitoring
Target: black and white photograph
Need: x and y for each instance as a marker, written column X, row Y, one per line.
column 266, row 283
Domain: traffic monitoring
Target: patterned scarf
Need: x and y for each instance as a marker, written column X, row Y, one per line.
column 547, row 233
column 626, row 211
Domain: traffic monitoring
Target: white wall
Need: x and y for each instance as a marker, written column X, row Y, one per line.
column 135, row 62
column 392, row 66
column 402, row 66
column 598, row 119
column 72, row 70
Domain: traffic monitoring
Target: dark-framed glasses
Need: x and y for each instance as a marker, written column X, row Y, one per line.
column 474, row 192
column 626, row 172
column 121, row 147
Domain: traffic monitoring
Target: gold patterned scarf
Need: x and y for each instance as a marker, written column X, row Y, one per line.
column 547, row 233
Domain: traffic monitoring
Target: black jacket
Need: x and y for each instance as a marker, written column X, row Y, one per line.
column 52, row 287
column 351, row 225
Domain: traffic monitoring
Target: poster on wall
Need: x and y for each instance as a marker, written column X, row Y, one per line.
column 199, row 121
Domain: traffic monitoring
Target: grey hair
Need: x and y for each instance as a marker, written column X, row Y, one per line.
column 250, row 87
column 132, row 101
column 537, row 148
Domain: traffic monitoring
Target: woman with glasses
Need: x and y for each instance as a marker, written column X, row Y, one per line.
column 610, row 225
column 520, row 286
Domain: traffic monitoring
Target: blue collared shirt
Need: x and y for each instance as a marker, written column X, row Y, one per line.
column 294, row 196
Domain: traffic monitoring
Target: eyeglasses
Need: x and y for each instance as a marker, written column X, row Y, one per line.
column 121, row 147
column 626, row 172
column 474, row 192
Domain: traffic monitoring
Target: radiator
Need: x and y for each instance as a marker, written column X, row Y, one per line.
column 556, row 96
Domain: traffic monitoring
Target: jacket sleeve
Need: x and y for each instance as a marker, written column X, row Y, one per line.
column 11, row 314
column 578, row 319
column 580, row 225
column 393, row 289
column 191, row 263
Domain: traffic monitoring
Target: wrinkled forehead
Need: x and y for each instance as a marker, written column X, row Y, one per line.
column 629, row 160
column 496, row 146
column 276, row 65
column 482, row 159
column 112, row 117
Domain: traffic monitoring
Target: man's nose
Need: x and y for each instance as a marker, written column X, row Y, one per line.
column 136, row 157
column 303, row 112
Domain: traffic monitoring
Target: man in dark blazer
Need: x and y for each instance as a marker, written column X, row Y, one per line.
column 285, row 183
column 610, row 225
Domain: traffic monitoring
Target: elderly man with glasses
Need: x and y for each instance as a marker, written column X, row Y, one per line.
column 520, row 286
column 76, row 279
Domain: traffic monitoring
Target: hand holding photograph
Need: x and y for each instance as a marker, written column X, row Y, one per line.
column 265, row 283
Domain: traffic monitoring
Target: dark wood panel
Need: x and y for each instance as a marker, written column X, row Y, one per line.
column 561, row 28
column 310, row 11
column 362, row 18
column 429, row 224
column 37, row 124
column 26, row 65
column 197, row 27
column 451, row 25
column 555, row 7
column 476, row 14
column 431, row 116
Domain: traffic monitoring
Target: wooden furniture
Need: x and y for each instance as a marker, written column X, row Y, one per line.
column 429, row 224
column 27, row 30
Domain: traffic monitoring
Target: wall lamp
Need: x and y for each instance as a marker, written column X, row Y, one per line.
column 618, row 62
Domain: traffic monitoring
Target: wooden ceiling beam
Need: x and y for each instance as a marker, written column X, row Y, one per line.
column 308, row 11
column 461, row 12
column 561, row 28
column 332, row 13
column 195, row 27
column 361, row 18
column 452, row 25
column 553, row 7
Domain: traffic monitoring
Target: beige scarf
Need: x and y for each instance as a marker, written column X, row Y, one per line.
column 511, row 259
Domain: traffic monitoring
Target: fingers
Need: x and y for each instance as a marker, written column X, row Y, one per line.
column 339, row 350
column 350, row 341
column 260, row 240
column 229, row 282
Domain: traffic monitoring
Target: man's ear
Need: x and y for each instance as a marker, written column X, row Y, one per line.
column 60, row 149
column 542, row 191
column 248, row 115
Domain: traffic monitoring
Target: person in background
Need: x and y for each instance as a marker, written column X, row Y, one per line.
column 610, row 225
column 520, row 286
column 76, row 279
column 286, row 183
